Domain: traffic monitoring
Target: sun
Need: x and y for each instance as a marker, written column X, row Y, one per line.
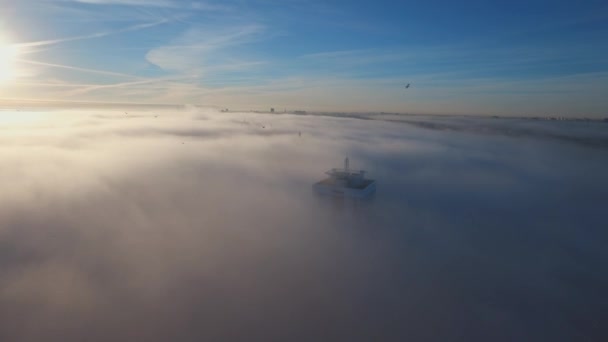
column 8, row 58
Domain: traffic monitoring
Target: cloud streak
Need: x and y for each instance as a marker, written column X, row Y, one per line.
column 192, row 51
column 89, row 36
column 190, row 5
column 84, row 70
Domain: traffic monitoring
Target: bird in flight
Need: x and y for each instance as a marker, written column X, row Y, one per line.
column 407, row 86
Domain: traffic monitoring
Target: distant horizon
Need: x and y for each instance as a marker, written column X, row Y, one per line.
column 75, row 105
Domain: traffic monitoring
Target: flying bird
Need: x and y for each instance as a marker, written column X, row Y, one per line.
column 407, row 86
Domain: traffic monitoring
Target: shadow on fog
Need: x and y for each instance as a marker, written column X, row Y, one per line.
column 133, row 235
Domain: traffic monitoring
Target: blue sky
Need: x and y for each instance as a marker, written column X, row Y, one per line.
column 478, row 57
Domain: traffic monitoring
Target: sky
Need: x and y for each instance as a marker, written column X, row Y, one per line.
column 196, row 225
column 536, row 58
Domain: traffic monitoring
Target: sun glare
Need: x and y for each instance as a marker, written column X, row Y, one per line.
column 8, row 56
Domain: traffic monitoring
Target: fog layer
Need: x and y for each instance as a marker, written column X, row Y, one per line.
column 193, row 225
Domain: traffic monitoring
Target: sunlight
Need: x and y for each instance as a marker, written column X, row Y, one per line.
column 8, row 56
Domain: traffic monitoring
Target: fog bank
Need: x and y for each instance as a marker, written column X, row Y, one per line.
column 192, row 225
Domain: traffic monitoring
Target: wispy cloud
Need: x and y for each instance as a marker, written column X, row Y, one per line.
column 193, row 50
column 85, row 70
column 159, row 80
column 193, row 5
column 153, row 3
column 462, row 61
column 89, row 36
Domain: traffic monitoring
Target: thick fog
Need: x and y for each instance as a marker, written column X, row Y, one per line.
column 195, row 225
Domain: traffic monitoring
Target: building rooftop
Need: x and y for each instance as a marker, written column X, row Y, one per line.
column 346, row 182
